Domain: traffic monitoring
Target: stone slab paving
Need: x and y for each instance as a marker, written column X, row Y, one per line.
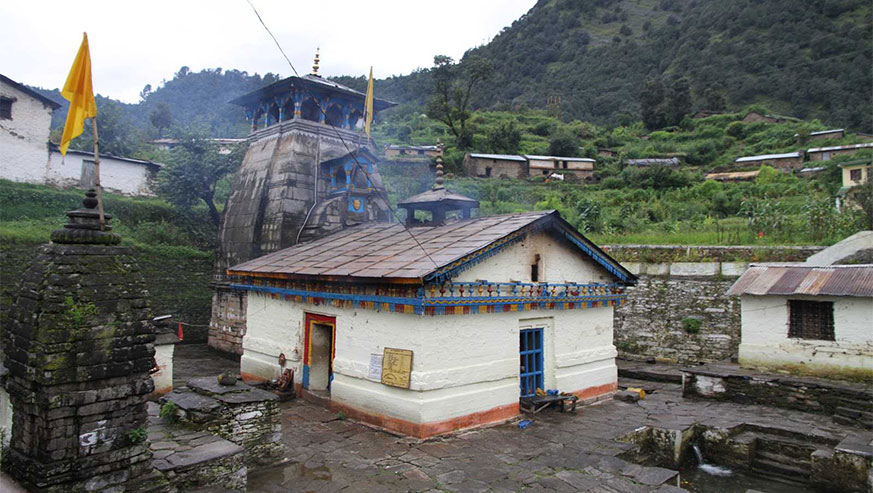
column 189, row 458
column 198, row 360
column 561, row 452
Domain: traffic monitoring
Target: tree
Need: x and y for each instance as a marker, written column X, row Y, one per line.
column 161, row 117
column 679, row 103
column 193, row 170
column 564, row 143
column 114, row 131
column 144, row 94
column 652, row 103
column 504, row 139
column 863, row 196
column 453, row 86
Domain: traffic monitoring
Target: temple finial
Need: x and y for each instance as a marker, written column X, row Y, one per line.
column 315, row 63
column 439, row 174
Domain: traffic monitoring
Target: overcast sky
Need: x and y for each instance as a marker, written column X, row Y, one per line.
column 139, row 43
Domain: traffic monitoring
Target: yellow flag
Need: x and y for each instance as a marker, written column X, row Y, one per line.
column 80, row 93
column 368, row 110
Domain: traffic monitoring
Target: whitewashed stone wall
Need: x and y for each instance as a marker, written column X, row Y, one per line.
column 765, row 341
column 116, row 175
column 24, row 138
column 462, row 364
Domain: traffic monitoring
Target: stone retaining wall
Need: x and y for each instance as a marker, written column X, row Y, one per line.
column 678, row 312
column 244, row 415
column 177, row 286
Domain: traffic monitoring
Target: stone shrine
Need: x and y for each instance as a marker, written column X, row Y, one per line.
column 79, row 349
column 308, row 171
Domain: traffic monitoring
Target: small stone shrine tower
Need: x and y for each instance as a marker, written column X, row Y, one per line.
column 438, row 204
column 79, row 349
column 308, row 171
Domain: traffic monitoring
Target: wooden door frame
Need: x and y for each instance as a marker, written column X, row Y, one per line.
column 309, row 321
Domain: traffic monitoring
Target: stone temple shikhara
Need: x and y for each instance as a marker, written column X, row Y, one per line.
column 438, row 326
column 308, row 171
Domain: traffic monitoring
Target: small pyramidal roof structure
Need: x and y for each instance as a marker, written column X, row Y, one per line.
column 437, row 201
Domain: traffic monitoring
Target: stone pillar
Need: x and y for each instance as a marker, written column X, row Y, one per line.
column 79, row 350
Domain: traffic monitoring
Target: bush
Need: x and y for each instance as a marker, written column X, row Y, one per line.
column 691, row 325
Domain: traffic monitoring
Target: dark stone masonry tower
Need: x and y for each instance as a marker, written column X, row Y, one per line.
column 301, row 178
column 79, row 348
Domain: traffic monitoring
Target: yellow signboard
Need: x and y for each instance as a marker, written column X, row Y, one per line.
column 396, row 367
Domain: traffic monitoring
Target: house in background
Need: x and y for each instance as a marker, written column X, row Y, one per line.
column 837, row 133
column 125, row 176
column 440, row 327
column 414, row 153
column 855, row 173
column 827, row 153
column 28, row 157
column 25, row 120
column 495, row 165
column 653, row 161
column 754, row 116
column 224, row 144
column 581, row 167
column 733, row 176
column 786, row 162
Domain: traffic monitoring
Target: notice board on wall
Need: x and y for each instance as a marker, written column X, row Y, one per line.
column 396, row 367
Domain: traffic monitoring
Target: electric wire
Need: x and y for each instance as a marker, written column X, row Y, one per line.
column 358, row 165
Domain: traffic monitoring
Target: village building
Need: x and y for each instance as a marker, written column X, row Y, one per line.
column 582, row 168
column 308, row 170
column 495, row 165
column 413, row 153
column 121, row 175
column 807, row 318
column 224, row 144
column 828, row 153
column 855, row 173
column 650, row 161
column 733, row 176
column 837, row 133
column 754, row 117
column 25, row 120
column 440, row 326
column 786, row 162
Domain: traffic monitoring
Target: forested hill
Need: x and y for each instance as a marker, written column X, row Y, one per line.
column 796, row 57
column 592, row 60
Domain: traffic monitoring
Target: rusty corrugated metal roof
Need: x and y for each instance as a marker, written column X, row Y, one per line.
column 785, row 280
column 389, row 251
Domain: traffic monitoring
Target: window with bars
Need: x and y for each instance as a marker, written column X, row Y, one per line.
column 811, row 320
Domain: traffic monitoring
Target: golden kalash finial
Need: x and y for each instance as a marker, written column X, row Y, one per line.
column 315, row 63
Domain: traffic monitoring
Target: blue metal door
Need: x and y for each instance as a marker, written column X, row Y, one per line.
column 531, row 356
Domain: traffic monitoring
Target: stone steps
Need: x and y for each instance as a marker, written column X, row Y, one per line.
column 852, row 413
column 785, row 471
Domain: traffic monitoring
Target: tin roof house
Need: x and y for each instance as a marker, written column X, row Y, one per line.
column 810, row 318
column 436, row 326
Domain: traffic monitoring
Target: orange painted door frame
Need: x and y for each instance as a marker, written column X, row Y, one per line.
column 309, row 321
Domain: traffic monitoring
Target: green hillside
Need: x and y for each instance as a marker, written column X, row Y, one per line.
column 805, row 59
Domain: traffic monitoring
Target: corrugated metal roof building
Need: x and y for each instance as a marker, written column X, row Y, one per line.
column 807, row 318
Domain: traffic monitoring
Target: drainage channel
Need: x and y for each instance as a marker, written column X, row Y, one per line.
column 753, row 457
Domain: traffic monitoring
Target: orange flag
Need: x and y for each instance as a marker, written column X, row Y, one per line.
column 80, row 93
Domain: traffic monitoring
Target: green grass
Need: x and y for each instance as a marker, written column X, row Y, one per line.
column 29, row 213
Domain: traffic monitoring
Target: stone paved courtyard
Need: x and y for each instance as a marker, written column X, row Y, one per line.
column 560, row 452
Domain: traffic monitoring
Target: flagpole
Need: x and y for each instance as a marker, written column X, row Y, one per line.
column 97, row 173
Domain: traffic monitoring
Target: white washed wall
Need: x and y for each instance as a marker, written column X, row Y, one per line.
column 163, row 378
column 116, row 175
column 765, row 340
column 462, row 364
column 560, row 262
column 24, row 138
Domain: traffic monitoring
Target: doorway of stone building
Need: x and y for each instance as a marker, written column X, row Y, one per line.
column 320, row 351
